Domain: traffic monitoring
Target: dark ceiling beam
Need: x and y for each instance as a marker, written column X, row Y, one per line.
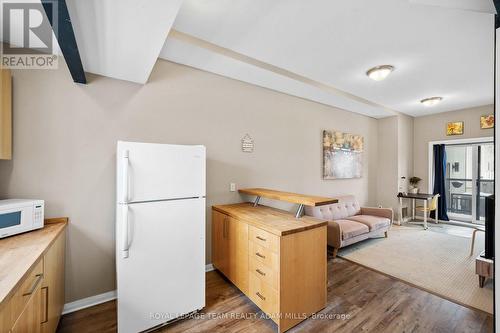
column 63, row 29
column 497, row 16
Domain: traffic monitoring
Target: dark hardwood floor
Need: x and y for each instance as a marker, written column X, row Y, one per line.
column 359, row 300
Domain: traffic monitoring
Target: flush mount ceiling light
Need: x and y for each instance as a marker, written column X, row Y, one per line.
column 431, row 101
column 380, row 72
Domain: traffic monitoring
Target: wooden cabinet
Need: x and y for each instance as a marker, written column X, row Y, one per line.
column 220, row 244
column 278, row 261
column 5, row 114
column 22, row 294
column 237, row 238
column 53, row 285
column 30, row 319
column 33, row 304
column 230, row 246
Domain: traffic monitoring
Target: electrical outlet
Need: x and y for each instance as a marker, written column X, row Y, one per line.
column 232, row 187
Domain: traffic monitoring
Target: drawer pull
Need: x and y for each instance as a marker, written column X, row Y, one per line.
column 260, row 296
column 33, row 287
column 260, row 255
column 46, row 305
column 260, row 272
column 260, row 238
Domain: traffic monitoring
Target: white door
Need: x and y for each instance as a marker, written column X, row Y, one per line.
column 163, row 276
column 151, row 171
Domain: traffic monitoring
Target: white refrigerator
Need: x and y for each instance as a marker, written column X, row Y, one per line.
column 160, row 233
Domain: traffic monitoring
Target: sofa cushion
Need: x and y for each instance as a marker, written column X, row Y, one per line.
column 372, row 222
column 351, row 229
column 347, row 206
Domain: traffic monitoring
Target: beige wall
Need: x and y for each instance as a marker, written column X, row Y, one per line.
column 65, row 136
column 405, row 148
column 395, row 140
column 405, row 157
column 433, row 128
column 387, row 176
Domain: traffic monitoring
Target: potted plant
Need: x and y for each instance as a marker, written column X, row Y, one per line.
column 414, row 184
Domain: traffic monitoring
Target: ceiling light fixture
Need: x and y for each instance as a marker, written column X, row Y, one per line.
column 431, row 101
column 380, row 72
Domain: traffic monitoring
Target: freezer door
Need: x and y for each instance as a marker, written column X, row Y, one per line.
column 151, row 171
column 163, row 276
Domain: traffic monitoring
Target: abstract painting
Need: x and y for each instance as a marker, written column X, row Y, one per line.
column 342, row 155
column 487, row 121
column 455, row 128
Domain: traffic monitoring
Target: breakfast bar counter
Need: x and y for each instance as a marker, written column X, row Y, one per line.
column 275, row 221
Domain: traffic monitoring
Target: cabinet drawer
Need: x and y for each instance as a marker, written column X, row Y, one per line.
column 263, row 255
column 265, row 273
column 264, row 238
column 30, row 319
column 25, row 291
column 264, row 296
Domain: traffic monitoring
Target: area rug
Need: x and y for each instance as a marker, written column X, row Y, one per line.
column 433, row 260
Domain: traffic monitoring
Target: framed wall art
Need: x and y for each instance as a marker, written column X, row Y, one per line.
column 342, row 155
column 455, row 128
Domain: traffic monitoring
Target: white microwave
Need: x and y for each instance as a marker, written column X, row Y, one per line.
column 20, row 215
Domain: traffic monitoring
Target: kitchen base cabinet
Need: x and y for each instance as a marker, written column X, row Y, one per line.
column 219, row 243
column 30, row 319
column 230, row 251
column 34, row 303
column 53, row 285
column 277, row 260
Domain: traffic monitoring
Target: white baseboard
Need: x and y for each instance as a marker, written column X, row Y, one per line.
column 101, row 298
column 88, row 302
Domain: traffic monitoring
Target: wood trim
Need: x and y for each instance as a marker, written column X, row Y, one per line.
column 301, row 199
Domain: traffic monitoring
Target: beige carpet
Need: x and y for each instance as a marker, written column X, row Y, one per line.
column 434, row 260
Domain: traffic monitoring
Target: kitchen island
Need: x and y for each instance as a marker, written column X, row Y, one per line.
column 277, row 259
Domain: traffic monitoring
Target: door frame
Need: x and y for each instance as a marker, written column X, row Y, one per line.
column 484, row 139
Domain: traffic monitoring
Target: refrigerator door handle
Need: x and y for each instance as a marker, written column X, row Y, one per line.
column 125, row 163
column 125, row 238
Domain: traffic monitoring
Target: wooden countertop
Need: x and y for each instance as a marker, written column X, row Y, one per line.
column 301, row 199
column 275, row 221
column 19, row 253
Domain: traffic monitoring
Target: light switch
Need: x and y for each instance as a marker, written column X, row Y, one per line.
column 232, row 187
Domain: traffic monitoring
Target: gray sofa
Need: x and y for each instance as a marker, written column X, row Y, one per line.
column 348, row 223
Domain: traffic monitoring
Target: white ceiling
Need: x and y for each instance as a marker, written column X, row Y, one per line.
column 436, row 51
column 181, row 51
column 483, row 6
column 316, row 49
column 121, row 38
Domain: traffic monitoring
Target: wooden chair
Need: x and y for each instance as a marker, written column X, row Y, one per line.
column 433, row 205
column 474, row 238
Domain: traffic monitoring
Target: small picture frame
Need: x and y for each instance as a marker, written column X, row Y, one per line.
column 487, row 121
column 455, row 128
column 247, row 144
